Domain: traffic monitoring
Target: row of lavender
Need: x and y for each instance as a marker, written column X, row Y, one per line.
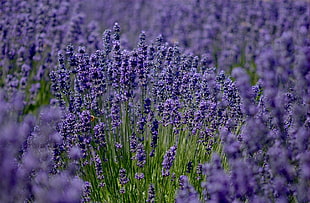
column 141, row 124
column 229, row 32
column 226, row 32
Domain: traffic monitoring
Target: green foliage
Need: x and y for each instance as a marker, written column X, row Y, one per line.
column 113, row 159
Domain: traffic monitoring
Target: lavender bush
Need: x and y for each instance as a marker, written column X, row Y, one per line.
column 130, row 112
column 210, row 103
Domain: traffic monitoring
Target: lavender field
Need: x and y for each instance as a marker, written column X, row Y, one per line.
column 186, row 101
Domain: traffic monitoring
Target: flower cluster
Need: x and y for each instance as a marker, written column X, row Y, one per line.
column 29, row 160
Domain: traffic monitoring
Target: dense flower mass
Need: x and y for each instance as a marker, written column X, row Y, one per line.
column 155, row 101
column 29, row 160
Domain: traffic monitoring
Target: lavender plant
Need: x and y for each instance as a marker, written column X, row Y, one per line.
column 139, row 114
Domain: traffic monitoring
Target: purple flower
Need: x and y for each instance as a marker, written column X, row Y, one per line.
column 140, row 155
column 199, row 171
column 139, row 176
column 154, row 131
column 133, row 143
column 118, row 145
column 189, row 167
column 151, row 194
column 107, row 42
column 115, row 112
column 168, row 160
column 99, row 170
column 123, row 180
column 99, row 134
column 85, row 121
column 86, row 192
